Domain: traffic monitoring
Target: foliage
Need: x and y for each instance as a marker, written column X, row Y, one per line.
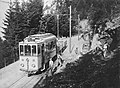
column 5, row 53
column 51, row 20
column 34, row 14
column 90, row 71
column 11, row 31
column 96, row 10
column 1, row 53
column 21, row 21
column 84, row 73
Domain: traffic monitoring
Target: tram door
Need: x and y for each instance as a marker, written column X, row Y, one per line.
column 43, row 54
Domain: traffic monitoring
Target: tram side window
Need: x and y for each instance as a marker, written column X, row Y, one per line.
column 21, row 50
column 51, row 45
column 48, row 46
column 33, row 50
column 54, row 44
column 27, row 50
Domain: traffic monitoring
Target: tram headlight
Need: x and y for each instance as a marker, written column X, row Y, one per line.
column 33, row 65
column 33, row 60
column 22, row 59
column 22, row 65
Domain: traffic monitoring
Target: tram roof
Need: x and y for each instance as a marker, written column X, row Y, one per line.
column 39, row 37
column 42, row 35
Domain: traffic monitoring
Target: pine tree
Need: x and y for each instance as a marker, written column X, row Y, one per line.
column 21, row 21
column 11, row 31
column 1, row 53
column 34, row 14
column 62, row 8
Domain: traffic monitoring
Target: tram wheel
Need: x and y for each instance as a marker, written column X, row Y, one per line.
column 29, row 74
column 38, row 72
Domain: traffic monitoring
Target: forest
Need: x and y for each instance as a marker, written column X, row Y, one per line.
column 26, row 19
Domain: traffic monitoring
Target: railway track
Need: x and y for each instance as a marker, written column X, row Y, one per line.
column 17, row 81
column 26, row 82
column 24, row 86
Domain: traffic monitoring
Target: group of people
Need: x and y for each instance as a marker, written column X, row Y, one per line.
column 101, row 39
column 54, row 65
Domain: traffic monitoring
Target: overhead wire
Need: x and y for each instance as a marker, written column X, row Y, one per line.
column 78, row 3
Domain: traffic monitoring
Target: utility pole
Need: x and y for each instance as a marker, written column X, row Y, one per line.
column 70, row 31
column 78, row 26
column 57, row 19
column 58, row 26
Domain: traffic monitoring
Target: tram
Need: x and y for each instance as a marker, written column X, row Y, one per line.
column 35, row 52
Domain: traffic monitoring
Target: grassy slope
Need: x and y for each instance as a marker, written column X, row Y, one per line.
column 86, row 74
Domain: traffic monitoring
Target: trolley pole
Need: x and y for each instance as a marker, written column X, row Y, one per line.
column 70, row 31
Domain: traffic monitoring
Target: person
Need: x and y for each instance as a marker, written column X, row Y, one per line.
column 51, row 66
column 49, row 71
column 76, row 50
column 105, row 49
column 58, row 64
column 50, row 63
column 60, row 60
column 95, row 42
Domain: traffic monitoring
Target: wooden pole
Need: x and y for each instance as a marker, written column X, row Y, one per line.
column 70, row 31
column 58, row 26
column 78, row 26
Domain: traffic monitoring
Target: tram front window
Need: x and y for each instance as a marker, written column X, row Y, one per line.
column 33, row 50
column 27, row 50
column 39, row 49
column 21, row 50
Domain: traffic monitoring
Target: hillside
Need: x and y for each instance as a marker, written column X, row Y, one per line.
column 85, row 73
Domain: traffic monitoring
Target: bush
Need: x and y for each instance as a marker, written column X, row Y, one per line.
column 84, row 73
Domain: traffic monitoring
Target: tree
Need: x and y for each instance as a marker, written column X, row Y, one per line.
column 51, row 20
column 12, row 31
column 1, row 53
column 34, row 14
column 21, row 20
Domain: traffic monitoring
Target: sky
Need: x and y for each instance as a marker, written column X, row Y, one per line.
column 3, row 9
column 4, row 5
